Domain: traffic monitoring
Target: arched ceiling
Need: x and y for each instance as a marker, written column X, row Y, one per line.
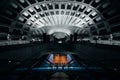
column 49, row 16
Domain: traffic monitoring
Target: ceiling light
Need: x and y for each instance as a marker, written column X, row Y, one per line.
column 97, row 1
column 43, row 5
column 90, row 22
column 31, row 10
column 36, row 16
column 83, row 16
column 50, row 4
column 78, row 13
column 89, row 9
column 59, row 41
column 14, row 5
column 25, row 14
column 21, row 19
column 87, row 19
column 22, row 1
column 82, row 7
column 94, row 13
column 69, row 3
column 32, row 19
column 29, row 23
column 98, row 19
column 37, row 7
column 38, row 24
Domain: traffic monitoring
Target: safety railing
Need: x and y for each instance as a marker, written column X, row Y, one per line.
column 107, row 42
column 13, row 42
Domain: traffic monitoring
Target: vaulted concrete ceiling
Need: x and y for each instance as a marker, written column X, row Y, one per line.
column 23, row 17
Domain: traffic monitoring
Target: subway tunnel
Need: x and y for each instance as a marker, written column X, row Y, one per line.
column 59, row 40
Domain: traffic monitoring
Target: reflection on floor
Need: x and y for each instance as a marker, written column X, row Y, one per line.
column 56, row 67
column 55, row 62
column 59, row 76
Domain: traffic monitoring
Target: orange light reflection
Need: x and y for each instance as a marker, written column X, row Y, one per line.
column 59, row 59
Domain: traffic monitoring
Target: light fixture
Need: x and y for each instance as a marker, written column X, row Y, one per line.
column 83, row 6
column 89, row 9
column 31, row 10
column 21, row 19
column 97, row 1
column 94, row 13
column 98, row 18
column 25, row 14
column 22, row 1
column 37, row 7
